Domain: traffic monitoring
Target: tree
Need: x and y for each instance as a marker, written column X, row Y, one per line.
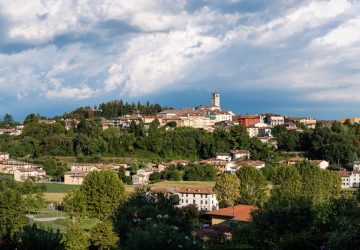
column 8, row 119
column 287, row 181
column 37, row 238
column 253, row 186
column 227, row 189
column 103, row 236
column 74, row 204
column 145, row 210
column 12, row 219
column 75, row 238
column 196, row 172
column 103, row 192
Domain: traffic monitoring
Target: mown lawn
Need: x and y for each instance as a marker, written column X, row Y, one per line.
column 58, row 187
column 62, row 224
column 54, row 197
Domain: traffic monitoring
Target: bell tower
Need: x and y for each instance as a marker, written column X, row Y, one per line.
column 215, row 100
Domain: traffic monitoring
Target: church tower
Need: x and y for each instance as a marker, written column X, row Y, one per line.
column 215, row 100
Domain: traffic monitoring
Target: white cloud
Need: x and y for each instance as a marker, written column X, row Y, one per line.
column 71, row 93
column 346, row 34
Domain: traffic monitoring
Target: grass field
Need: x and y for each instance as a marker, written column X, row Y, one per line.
column 54, row 197
column 85, row 224
column 58, row 187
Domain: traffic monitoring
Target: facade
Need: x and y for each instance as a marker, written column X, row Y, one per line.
column 291, row 161
column 239, row 154
column 26, row 173
column 356, row 165
column 259, row 129
column 321, row 163
column 351, row 119
column 247, row 120
column 75, row 177
column 220, row 165
column 4, row 156
column 203, row 198
column 142, row 176
column 215, row 100
column 223, row 156
column 9, row 166
column 274, row 120
column 238, row 164
column 350, row 179
column 85, row 167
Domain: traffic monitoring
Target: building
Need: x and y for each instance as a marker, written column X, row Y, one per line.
column 142, row 176
column 203, row 198
column 220, row 165
column 223, row 156
column 23, row 174
column 4, row 156
column 75, row 177
column 274, row 120
column 239, row 164
column 85, row 167
column 215, row 100
column 224, row 216
column 259, row 129
column 247, row 120
column 321, row 163
column 350, row 179
column 217, row 116
column 239, row 154
column 356, row 165
column 291, row 161
column 9, row 166
column 352, row 120
column 307, row 121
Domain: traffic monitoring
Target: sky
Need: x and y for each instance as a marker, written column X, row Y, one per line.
column 293, row 57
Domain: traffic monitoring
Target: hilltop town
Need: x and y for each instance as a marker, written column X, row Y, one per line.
column 224, row 166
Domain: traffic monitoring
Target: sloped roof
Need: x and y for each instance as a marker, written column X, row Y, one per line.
column 238, row 213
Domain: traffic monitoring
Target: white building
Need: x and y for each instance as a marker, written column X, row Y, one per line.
column 239, row 164
column 204, row 198
column 239, row 154
column 4, row 156
column 23, row 174
column 321, row 163
column 142, row 176
column 223, row 156
column 259, row 129
column 356, row 165
column 274, row 120
column 350, row 179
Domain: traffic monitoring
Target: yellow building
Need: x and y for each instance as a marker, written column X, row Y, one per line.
column 351, row 119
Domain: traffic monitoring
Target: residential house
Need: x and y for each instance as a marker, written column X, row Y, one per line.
column 292, row 161
column 350, row 179
column 259, row 129
column 247, row 120
column 142, row 176
column 224, row 156
column 238, row 164
column 238, row 213
column 75, row 177
column 352, row 120
column 4, row 156
column 85, row 167
column 9, row 166
column 220, row 165
column 239, row 154
column 274, row 120
column 321, row 163
column 356, row 165
column 203, row 198
column 23, row 174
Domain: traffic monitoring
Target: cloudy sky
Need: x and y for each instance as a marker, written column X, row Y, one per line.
column 294, row 57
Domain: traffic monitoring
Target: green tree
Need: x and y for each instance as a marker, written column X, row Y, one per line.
column 74, row 204
column 103, row 236
column 253, row 186
column 227, row 189
column 75, row 238
column 8, row 119
column 286, row 181
column 12, row 219
column 103, row 192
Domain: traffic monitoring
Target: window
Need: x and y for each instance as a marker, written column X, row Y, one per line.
column 194, row 202
column 201, row 202
column 186, row 201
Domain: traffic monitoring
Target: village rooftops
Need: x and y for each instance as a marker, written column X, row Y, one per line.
column 239, row 151
column 238, row 213
column 76, row 173
column 26, row 170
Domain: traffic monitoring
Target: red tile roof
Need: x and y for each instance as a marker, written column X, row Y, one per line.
column 190, row 190
column 239, row 212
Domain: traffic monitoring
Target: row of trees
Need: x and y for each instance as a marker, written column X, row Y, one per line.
column 249, row 186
